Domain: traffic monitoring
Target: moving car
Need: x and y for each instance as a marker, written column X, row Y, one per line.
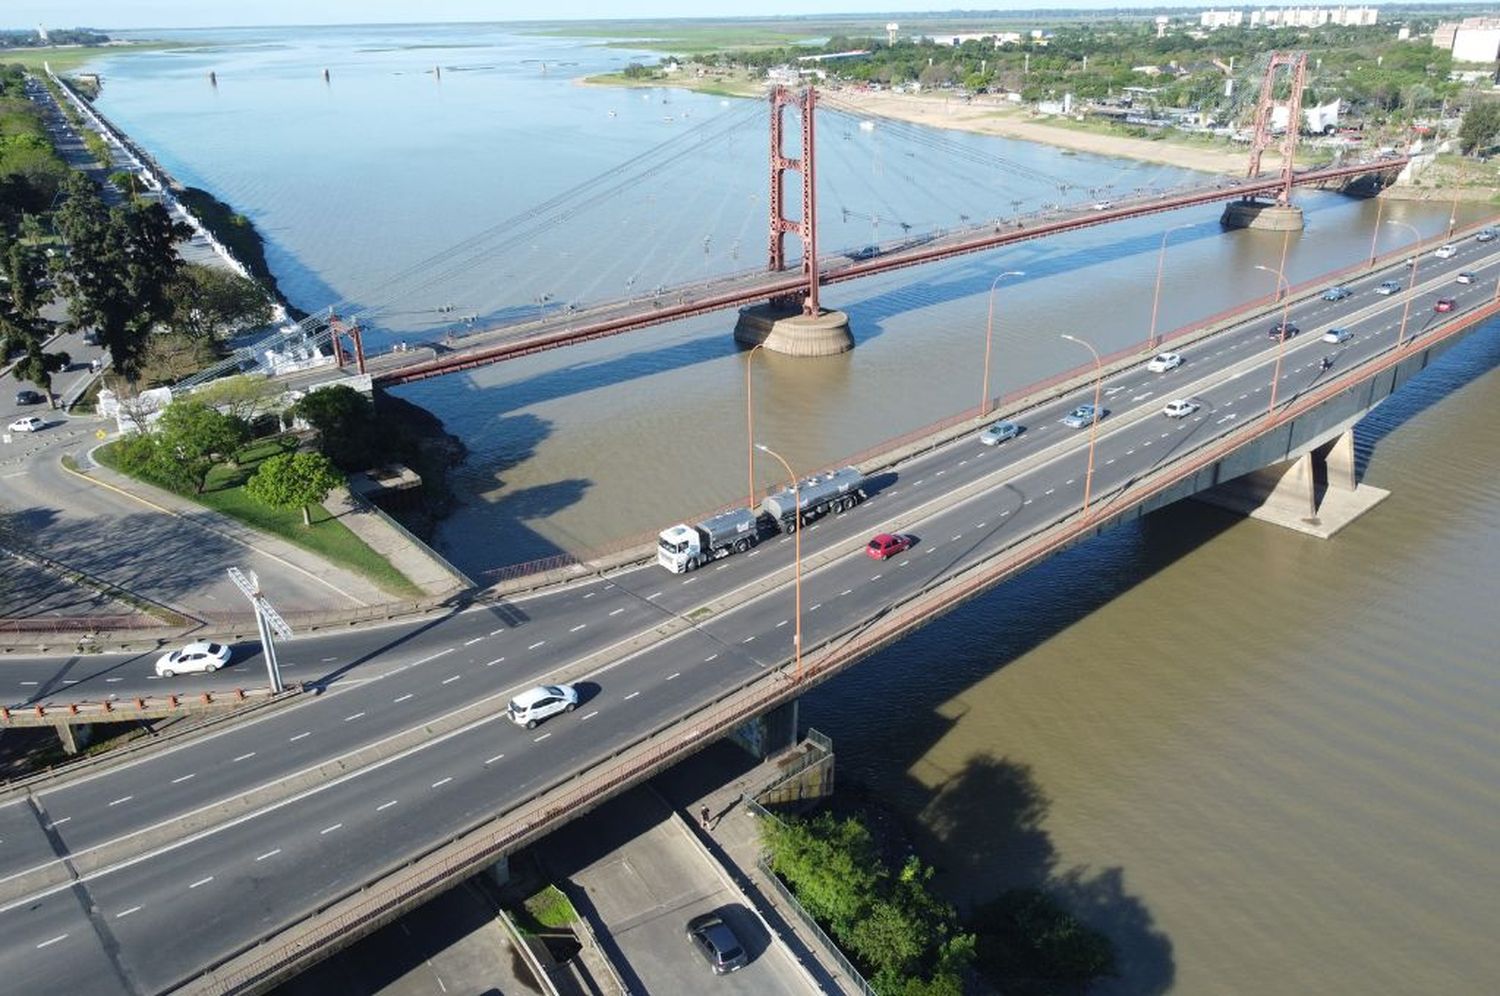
column 1162, row 362
column 29, row 398
column 1083, row 415
column 1337, row 293
column 27, row 423
column 536, row 704
column 201, row 657
column 717, row 942
column 1337, row 335
column 1464, row 277
column 867, row 252
column 1388, row 287
column 1287, row 329
column 1181, row 408
column 1445, row 251
column 887, row 545
column 1103, row 205
column 1485, row 235
column 999, row 433
column 1443, row 304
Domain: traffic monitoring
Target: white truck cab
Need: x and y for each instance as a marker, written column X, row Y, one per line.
column 677, row 547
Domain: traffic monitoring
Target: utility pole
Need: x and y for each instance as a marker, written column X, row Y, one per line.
column 267, row 623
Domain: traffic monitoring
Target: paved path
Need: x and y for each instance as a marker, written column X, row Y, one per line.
column 407, row 554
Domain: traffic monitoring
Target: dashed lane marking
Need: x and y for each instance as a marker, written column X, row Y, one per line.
column 299, row 736
column 123, row 798
column 470, row 643
column 631, row 696
column 329, row 829
column 877, row 577
column 653, row 595
column 178, row 781
column 403, row 698
column 441, row 782
column 748, row 638
column 385, row 805
column 578, row 627
column 536, row 644
column 618, row 611
column 125, row 913
column 492, row 663
column 246, row 757
column 539, row 739
column 590, row 715
column 710, row 658
column 782, row 623
column 449, row 681
column 52, row 940
column 201, row 881
column 492, row 760
column 674, row 674
column 816, row 607
column 352, row 717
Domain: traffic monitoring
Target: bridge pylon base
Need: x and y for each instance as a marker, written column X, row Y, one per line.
column 1316, row 494
column 785, row 329
column 1263, row 216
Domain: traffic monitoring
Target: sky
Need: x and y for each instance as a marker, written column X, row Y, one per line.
column 223, row 13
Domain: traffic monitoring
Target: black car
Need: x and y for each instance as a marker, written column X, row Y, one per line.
column 29, row 398
column 1276, row 330
column 717, row 942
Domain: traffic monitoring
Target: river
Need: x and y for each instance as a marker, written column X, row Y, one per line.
column 1261, row 762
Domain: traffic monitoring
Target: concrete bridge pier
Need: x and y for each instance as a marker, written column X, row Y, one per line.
column 769, row 733
column 75, row 736
column 783, row 328
column 1269, row 217
column 499, row 872
column 1317, row 493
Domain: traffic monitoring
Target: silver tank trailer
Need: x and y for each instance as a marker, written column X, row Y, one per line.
column 820, row 494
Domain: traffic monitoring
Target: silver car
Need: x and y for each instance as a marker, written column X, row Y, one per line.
column 999, row 433
column 1083, row 415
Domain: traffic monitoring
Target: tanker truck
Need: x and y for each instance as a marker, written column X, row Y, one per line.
column 819, row 494
column 685, row 547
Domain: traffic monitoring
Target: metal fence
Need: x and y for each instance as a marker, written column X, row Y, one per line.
column 856, row 980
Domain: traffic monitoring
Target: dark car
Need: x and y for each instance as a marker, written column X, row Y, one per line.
column 1443, row 304
column 717, row 942
column 1336, row 293
column 1287, row 329
column 29, row 398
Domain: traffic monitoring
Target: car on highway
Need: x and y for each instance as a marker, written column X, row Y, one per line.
column 1181, row 408
column 1103, row 205
column 1337, row 335
column 536, row 704
column 1443, row 304
column 1337, row 293
column 1162, row 362
column 29, row 398
column 1464, row 277
column 887, row 545
column 201, row 657
column 1446, row 251
column 1287, row 329
column 713, row 938
column 1083, row 415
column 27, row 423
column 999, row 433
column 1485, row 235
column 1388, row 287
column 865, row 252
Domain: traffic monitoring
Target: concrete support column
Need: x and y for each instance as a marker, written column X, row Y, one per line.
column 769, row 733
column 1340, row 463
column 499, row 872
column 75, row 736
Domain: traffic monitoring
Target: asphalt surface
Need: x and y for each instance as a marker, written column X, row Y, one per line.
column 147, row 923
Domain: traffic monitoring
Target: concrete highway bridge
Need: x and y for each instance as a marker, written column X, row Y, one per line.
column 228, row 860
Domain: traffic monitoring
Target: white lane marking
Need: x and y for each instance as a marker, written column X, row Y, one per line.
column 674, row 674
column 492, row 760
column 58, row 823
column 53, row 940
column 631, row 696
column 401, row 699
column 327, row 659
column 329, row 829
column 877, row 577
column 1226, row 418
column 979, row 526
column 618, row 611
column 201, row 881
column 536, row 644
column 1109, row 461
column 782, row 623
column 710, row 658
column 1048, row 491
column 846, row 591
column 1143, row 397
column 125, row 913
column 539, row 739
column 497, row 632
column 106, row 679
column 245, row 757
column 434, row 657
column 123, row 798
column 1026, row 502
column 591, row 594
column 355, row 716
column 578, row 627
column 449, row 681
column 492, row 663
column 298, row 737
column 816, row 607
column 441, row 782
column 748, row 639
column 269, row 854
column 903, row 563
column 691, row 581
column 177, row 781
column 385, row 805
column 721, row 567
column 650, row 597
column 470, row 643
column 590, row 715
column 28, row 683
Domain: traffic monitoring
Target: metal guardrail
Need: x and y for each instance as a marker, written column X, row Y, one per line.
column 792, row 903
column 128, row 710
column 365, row 505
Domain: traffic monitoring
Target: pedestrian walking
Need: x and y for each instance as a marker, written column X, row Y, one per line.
column 705, row 815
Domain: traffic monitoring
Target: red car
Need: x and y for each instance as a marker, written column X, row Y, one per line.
column 888, row 545
column 1444, row 304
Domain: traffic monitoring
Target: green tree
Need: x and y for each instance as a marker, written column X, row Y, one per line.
column 190, row 438
column 1480, row 127
column 830, row 863
column 294, row 480
column 345, row 420
column 242, row 396
column 1027, row 944
column 38, row 367
column 209, row 301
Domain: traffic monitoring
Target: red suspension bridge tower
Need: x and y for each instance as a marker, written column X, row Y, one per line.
column 1279, row 215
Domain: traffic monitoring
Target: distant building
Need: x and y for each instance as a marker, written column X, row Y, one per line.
column 1289, row 17
column 1474, row 39
column 1216, row 19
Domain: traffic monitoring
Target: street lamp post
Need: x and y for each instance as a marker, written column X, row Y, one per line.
column 1411, row 283
column 989, row 333
column 1161, row 260
column 1286, row 305
column 797, row 554
column 1375, row 236
column 750, row 426
column 1088, row 477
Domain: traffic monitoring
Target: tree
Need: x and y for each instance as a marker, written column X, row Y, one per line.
column 1480, row 127
column 294, row 480
column 830, row 863
column 191, row 437
column 345, row 420
column 242, row 396
column 210, row 301
column 38, row 367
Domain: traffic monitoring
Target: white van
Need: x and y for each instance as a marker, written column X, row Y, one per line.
column 536, row 704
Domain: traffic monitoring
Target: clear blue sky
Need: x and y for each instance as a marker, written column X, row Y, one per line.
column 219, row 13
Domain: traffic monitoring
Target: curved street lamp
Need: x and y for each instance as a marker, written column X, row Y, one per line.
column 797, row 546
column 1161, row 259
column 1088, row 477
column 989, row 332
column 1411, row 284
column 1285, row 288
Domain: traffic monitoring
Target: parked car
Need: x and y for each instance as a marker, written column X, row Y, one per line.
column 29, row 398
column 1337, row 335
column 1181, row 408
column 1337, row 293
column 1485, row 235
column 1083, row 415
column 27, row 423
column 1445, row 251
column 1162, row 362
column 201, row 657
column 1464, row 277
column 1287, row 329
column 1388, row 287
column 717, row 942
column 536, row 704
column 887, row 545
column 1443, row 304
column 999, row 433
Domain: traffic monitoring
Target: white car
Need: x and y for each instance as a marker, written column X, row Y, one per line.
column 1337, row 335
column 28, row 423
column 1181, row 408
column 1162, row 362
column 1464, row 278
column 536, row 704
column 202, row 656
column 1445, row 251
column 999, row 433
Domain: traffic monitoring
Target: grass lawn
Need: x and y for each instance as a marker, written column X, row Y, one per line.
column 69, row 57
column 547, row 910
column 327, row 537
